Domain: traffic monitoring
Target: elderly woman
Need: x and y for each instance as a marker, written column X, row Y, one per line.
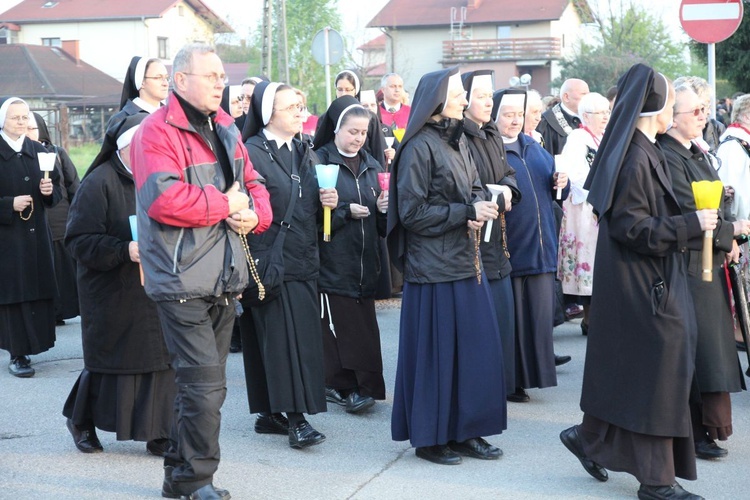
column 579, row 230
column 350, row 262
column 640, row 352
column 127, row 383
column 710, row 138
column 282, row 342
column 532, row 243
column 534, row 110
column 27, row 310
column 449, row 390
column 716, row 364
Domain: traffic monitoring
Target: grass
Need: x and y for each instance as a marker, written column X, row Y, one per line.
column 83, row 155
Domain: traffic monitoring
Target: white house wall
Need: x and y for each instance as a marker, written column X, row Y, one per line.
column 416, row 52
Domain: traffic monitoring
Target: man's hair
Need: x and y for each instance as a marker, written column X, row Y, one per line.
column 183, row 61
column 384, row 80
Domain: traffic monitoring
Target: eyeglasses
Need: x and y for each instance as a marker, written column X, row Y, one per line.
column 212, row 78
column 292, row 108
column 605, row 113
column 696, row 112
column 32, row 128
column 164, row 78
column 19, row 118
column 246, row 98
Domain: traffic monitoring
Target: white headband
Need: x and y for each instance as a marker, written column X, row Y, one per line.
column 454, row 81
column 139, row 73
column 126, row 137
column 484, row 81
column 6, row 105
column 512, row 100
column 267, row 102
column 234, row 92
column 341, row 116
column 354, row 77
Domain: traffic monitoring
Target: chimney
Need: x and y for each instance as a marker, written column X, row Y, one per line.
column 473, row 4
column 72, row 48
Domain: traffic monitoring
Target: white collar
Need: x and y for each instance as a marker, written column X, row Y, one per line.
column 346, row 155
column 123, row 163
column 16, row 145
column 565, row 108
column 278, row 140
column 388, row 107
column 145, row 106
column 509, row 141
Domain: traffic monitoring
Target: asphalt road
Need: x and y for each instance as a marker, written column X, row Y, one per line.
column 39, row 461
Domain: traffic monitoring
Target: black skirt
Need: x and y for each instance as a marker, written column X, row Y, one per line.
column 66, row 302
column 137, row 407
column 27, row 327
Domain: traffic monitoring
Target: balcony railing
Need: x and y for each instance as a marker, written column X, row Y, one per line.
column 503, row 49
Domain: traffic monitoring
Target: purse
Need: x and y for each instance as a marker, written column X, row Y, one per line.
column 267, row 265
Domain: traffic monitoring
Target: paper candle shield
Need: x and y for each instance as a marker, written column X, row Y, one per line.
column 133, row 227
column 398, row 133
column 46, row 163
column 707, row 195
column 327, row 177
column 389, row 141
column 495, row 190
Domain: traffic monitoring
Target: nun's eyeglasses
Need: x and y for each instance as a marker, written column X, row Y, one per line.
column 293, row 108
column 695, row 112
column 164, row 78
column 20, row 118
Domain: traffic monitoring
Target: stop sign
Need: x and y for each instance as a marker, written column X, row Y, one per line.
column 710, row 21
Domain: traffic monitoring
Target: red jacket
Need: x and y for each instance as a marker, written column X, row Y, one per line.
column 186, row 248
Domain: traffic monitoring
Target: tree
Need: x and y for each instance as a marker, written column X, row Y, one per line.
column 304, row 18
column 624, row 34
column 732, row 55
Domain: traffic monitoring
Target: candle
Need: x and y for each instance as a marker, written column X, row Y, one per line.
column 134, row 233
column 558, row 168
column 707, row 195
column 46, row 163
column 327, row 177
column 495, row 190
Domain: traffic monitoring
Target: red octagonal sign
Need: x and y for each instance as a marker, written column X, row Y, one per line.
column 710, row 21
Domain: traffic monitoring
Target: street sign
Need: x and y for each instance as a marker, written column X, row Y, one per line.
column 333, row 47
column 710, row 21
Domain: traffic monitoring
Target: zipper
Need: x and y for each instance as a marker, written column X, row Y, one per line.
column 362, row 229
column 536, row 201
column 177, row 250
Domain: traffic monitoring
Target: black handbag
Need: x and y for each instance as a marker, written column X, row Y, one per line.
column 267, row 265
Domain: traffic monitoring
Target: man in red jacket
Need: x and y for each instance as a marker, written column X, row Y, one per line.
column 196, row 190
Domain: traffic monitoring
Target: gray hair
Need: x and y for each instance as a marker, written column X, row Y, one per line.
column 533, row 96
column 384, row 80
column 183, row 61
column 592, row 102
column 699, row 85
column 740, row 107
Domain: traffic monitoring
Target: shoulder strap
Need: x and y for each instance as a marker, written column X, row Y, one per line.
column 743, row 143
column 294, row 194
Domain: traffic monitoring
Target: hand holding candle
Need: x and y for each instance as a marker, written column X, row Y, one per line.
column 707, row 200
column 559, row 169
column 134, row 233
column 327, row 177
column 495, row 190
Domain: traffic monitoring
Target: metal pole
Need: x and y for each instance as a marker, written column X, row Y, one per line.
column 328, row 68
column 712, row 77
column 286, row 42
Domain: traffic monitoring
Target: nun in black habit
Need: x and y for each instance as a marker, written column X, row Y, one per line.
column 66, row 301
column 350, row 262
column 450, row 387
column 282, row 342
column 488, row 153
column 640, row 356
column 27, row 311
column 127, row 384
column 146, row 85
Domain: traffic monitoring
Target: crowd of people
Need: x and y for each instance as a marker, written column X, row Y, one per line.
column 206, row 225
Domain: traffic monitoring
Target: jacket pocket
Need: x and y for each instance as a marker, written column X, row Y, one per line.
column 658, row 293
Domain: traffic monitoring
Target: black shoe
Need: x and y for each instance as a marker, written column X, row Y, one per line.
column 477, row 448
column 584, row 328
column 520, row 396
column 741, row 346
column 208, row 492
column 303, row 435
column 20, row 367
column 335, row 397
column 707, row 449
column 59, row 322
column 158, row 447
column 85, row 440
column 168, row 488
column 572, row 442
column 274, row 423
column 439, row 454
column 235, row 345
column 561, row 360
column 356, row 403
column 673, row 492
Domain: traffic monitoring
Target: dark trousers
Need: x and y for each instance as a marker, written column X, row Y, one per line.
column 197, row 333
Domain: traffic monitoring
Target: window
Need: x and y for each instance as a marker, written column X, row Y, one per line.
column 180, row 10
column 503, row 32
column 51, row 42
column 8, row 36
column 163, row 44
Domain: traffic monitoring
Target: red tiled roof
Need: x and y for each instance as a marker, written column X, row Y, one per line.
column 376, row 43
column 377, row 70
column 34, row 71
column 401, row 13
column 32, row 11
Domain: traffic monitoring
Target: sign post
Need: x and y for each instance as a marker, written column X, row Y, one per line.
column 711, row 22
column 328, row 49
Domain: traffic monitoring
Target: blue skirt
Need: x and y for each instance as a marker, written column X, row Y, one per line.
column 449, row 379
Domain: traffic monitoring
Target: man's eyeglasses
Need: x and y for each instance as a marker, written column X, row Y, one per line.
column 293, row 108
column 164, row 78
column 212, row 78
column 605, row 112
column 695, row 112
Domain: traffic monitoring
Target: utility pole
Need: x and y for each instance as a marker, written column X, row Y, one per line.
column 266, row 60
column 284, row 52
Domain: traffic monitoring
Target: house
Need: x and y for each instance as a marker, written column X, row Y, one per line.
column 512, row 38
column 373, row 60
column 110, row 32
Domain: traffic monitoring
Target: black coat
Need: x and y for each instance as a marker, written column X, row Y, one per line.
column 717, row 366
column 640, row 354
column 488, row 153
column 350, row 262
column 553, row 133
column 119, row 324
column 57, row 216
column 301, row 260
column 26, row 262
column 437, row 184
